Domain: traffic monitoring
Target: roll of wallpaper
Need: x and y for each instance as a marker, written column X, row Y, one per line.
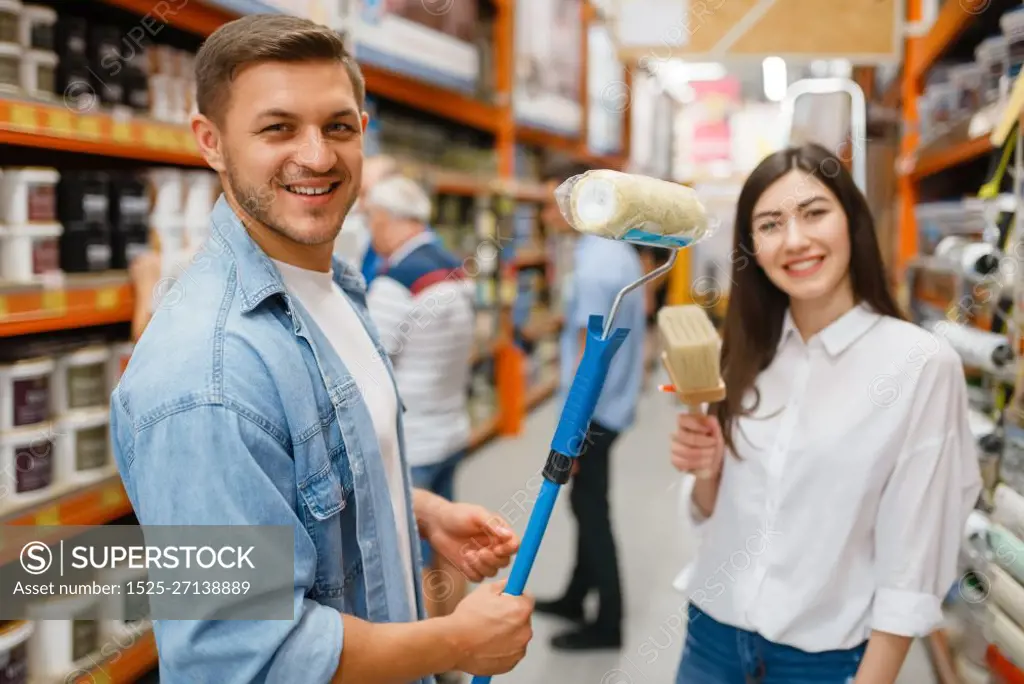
column 1008, row 509
column 972, row 256
column 1006, row 593
column 981, row 425
column 1007, row 551
column 978, row 348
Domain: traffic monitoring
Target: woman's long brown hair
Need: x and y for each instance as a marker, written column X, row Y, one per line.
column 753, row 322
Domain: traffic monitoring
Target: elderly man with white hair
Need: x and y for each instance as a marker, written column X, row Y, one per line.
column 422, row 304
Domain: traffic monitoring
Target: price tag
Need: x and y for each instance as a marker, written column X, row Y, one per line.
column 47, row 517
column 122, row 132
column 106, row 298
column 151, row 137
column 59, row 123
column 89, row 127
column 55, row 302
column 24, row 116
column 3, row 308
column 113, row 496
column 99, row 676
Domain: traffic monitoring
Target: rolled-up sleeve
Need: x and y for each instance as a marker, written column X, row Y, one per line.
column 212, row 465
column 925, row 504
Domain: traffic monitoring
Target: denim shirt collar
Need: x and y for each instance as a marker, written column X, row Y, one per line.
column 258, row 279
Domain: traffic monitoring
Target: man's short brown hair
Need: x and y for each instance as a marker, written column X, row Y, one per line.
column 265, row 38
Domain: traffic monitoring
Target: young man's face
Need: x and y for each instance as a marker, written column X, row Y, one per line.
column 292, row 145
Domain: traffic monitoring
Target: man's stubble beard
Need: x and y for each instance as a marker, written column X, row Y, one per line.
column 257, row 201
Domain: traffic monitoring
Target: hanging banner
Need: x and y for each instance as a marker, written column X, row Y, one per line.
column 548, row 35
column 862, row 31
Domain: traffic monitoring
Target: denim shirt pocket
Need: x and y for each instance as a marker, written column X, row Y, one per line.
column 328, row 515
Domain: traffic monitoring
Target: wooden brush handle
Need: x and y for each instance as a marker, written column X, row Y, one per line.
column 698, row 410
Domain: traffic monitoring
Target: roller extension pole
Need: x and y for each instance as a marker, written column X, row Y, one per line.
column 570, row 438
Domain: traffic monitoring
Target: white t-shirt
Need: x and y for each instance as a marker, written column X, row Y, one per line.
column 333, row 314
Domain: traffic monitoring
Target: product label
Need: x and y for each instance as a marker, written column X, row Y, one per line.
column 86, row 386
column 42, row 203
column 31, row 401
column 9, row 74
column 94, row 207
column 8, row 27
column 85, row 637
column 45, row 256
column 33, row 466
column 46, row 80
column 14, row 665
column 135, row 208
column 92, row 449
column 98, row 256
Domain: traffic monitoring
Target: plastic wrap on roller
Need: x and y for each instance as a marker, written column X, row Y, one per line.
column 977, row 348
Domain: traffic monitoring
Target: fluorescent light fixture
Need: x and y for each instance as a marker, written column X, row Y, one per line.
column 773, row 70
column 677, row 69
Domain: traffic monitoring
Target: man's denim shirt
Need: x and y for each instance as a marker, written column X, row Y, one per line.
column 235, row 410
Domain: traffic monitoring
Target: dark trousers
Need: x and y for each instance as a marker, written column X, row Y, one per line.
column 597, row 567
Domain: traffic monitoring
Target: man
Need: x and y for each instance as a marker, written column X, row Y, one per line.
column 258, row 395
column 422, row 305
column 601, row 268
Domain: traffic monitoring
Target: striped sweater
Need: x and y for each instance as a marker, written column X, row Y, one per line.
column 422, row 305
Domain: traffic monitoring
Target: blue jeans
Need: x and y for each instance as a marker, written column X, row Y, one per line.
column 715, row 653
column 438, row 478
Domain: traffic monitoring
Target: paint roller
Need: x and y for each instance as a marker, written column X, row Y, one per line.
column 618, row 206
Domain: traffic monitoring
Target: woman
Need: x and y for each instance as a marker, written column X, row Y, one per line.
column 842, row 466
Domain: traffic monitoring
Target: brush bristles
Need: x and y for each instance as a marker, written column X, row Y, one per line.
column 692, row 347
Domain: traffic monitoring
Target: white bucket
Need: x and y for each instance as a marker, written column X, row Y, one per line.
column 28, row 464
column 80, row 380
column 84, row 453
column 26, row 393
column 63, row 643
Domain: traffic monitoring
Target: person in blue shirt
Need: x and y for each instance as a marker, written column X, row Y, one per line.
column 601, row 268
column 260, row 394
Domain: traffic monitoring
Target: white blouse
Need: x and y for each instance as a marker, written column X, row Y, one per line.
column 857, row 473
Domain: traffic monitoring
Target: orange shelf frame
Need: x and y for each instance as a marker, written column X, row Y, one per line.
column 1005, row 671
column 425, row 97
column 948, row 157
column 124, row 666
column 56, row 127
column 84, row 301
column 193, row 16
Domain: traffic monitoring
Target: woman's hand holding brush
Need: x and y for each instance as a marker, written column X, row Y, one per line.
column 698, row 446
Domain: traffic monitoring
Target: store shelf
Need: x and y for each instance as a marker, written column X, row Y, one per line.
column 938, row 158
column 431, row 99
column 201, row 17
column 55, row 126
column 125, row 666
column 953, row 19
column 81, row 301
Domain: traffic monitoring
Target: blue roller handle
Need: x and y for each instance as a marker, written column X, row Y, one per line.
column 570, row 436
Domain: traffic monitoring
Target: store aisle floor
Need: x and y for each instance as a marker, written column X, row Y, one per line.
column 653, row 546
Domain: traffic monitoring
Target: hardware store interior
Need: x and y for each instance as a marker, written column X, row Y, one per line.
column 111, row 180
